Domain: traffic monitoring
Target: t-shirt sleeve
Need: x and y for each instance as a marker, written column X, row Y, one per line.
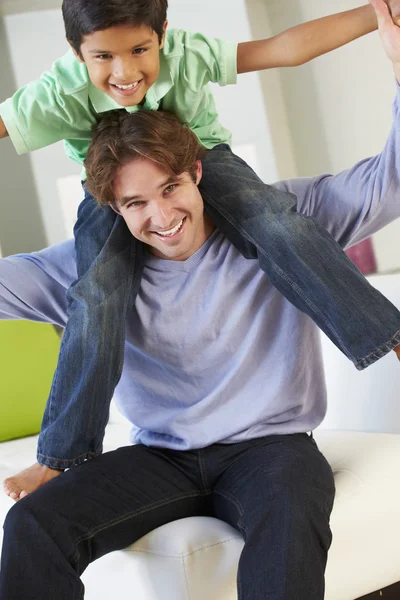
column 208, row 60
column 40, row 114
column 34, row 286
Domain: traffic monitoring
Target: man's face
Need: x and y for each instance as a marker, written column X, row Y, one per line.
column 123, row 62
column 164, row 212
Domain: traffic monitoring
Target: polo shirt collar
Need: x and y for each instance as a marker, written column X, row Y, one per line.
column 102, row 102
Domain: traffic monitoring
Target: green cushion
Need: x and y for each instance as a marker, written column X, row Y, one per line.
column 28, row 358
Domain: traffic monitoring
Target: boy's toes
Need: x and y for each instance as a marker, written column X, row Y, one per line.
column 11, row 488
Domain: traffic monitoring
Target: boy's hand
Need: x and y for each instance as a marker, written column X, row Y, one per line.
column 389, row 31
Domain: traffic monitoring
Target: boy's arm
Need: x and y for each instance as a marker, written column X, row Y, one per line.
column 3, row 129
column 302, row 43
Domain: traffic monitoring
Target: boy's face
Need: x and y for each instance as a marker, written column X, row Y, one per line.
column 123, row 62
column 164, row 212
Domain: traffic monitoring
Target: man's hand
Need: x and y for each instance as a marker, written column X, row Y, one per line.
column 394, row 7
column 388, row 30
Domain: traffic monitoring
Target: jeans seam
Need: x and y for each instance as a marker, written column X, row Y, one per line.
column 66, row 463
column 281, row 274
column 232, row 499
column 200, row 454
column 364, row 362
column 135, row 513
column 241, row 526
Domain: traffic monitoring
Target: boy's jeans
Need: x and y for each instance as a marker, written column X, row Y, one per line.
column 277, row 490
column 301, row 259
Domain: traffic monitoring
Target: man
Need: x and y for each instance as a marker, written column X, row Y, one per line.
column 222, row 376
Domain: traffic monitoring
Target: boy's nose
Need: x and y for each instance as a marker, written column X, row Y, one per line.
column 124, row 72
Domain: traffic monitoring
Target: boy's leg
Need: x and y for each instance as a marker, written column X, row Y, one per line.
column 109, row 264
column 102, row 505
column 301, row 259
column 279, row 493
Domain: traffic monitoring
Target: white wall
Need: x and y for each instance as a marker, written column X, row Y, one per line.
column 241, row 107
column 26, row 38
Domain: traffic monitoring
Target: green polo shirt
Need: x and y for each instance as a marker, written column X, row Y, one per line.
column 64, row 105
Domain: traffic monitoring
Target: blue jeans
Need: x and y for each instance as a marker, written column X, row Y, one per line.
column 301, row 259
column 277, row 490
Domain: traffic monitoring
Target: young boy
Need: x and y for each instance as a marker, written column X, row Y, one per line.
column 124, row 58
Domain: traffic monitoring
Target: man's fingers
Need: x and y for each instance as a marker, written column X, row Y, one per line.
column 382, row 11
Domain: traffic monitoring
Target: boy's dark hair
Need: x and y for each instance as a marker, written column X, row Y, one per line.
column 82, row 17
column 121, row 137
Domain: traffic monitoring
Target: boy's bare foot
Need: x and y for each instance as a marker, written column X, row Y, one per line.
column 28, row 480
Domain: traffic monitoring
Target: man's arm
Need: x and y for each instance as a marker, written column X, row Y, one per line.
column 358, row 202
column 302, row 43
column 33, row 286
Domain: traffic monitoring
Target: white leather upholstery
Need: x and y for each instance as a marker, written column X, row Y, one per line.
column 196, row 558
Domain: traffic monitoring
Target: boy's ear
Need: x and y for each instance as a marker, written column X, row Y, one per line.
column 163, row 34
column 199, row 171
column 77, row 56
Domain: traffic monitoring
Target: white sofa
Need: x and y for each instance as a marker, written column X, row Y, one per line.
column 196, row 558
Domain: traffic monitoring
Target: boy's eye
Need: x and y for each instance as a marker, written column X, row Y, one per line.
column 139, row 50
column 103, row 56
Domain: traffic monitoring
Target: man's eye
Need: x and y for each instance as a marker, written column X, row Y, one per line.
column 134, row 204
column 170, row 188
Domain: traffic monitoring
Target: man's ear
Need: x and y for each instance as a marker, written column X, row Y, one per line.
column 115, row 208
column 77, row 55
column 163, row 34
column 199, row 171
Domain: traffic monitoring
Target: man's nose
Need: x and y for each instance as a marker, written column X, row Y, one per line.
column 162, row 217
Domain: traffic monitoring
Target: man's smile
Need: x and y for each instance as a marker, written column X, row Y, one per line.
column 173, row 231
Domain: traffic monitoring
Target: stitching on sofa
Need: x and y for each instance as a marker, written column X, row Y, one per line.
column 337, row 471
column 186, row 577
column 180, row 555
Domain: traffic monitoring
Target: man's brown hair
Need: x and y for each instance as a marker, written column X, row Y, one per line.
column 121, row 137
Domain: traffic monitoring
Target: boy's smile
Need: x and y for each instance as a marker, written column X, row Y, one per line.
column 122, row 61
